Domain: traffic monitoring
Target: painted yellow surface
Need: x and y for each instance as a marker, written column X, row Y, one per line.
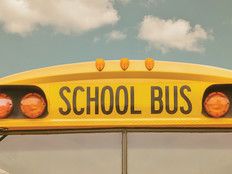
column 133, row 95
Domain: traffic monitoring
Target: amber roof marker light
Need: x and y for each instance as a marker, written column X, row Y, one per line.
column 149, row 63
column 216, row 104
column 124, row 63
column 6, row 105
column 100, row 64
column 33, row 105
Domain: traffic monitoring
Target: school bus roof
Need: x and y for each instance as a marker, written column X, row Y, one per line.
column 112, row 69
column 79, row 96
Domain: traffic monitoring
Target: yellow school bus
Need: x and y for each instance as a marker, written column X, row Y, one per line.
column 138, row 94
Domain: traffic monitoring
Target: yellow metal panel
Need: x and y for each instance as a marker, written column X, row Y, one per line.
column 141, row 92
column 112, row 69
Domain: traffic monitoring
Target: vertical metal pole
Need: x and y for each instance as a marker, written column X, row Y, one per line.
column 124, row 152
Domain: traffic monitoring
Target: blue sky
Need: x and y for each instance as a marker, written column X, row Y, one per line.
column 36, row 34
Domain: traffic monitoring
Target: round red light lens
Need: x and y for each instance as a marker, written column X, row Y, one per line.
column 33, row 105
column 216, row 104
column 6, row 105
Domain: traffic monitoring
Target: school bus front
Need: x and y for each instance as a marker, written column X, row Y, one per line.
column 113, row 95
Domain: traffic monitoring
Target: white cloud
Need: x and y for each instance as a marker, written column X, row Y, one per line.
column 3, row 172
column 166, row 34
column 73, row 16
column 115, row 35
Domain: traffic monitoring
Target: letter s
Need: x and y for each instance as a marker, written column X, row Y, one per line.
column 186, row 99
column 65, row 100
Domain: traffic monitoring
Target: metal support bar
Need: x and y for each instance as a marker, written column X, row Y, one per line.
column 124, row 152
column 5, row 131
column 3, row 137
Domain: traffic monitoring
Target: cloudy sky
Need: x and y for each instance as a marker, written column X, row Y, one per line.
column 35, row 33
